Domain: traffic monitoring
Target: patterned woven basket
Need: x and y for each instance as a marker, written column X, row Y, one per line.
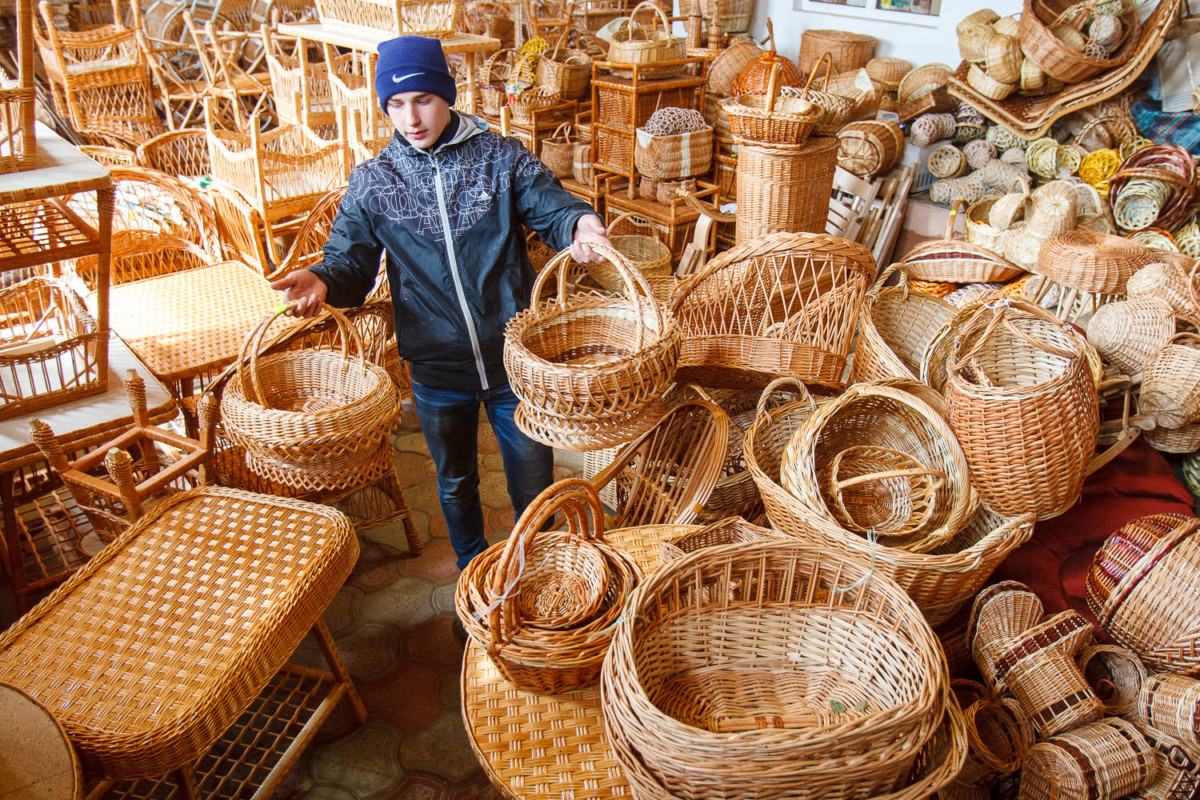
column 729, row 63
column 1110, row 759
column 675, row 156
column 1171, row 382
column 939, row 582
column 1170, row 704
column 896, row 327
column 785, row 304
column 1138, row 590
column 999, row 614
column 781, row 697
column 956, row 260
column 878, row 460
column 1115, row 674
column 544, row 602
column 590, row 358
column 310, row 419
column 783, row 188
column 1170, row 167
column 1021, row 398
column 731, row 530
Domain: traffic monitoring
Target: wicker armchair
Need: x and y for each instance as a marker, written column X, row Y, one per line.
column 182, row 153
column 140, row 254
column 241, row 94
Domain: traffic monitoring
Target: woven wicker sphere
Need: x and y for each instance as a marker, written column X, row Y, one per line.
column 947, row 190
column 1014, row 156
column 979, row 152
column 973, row 42
column 1127, row 332
column 1005, row 139
column 929, row 128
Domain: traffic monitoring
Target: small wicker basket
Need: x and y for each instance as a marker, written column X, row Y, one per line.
column 847, row 50
column 1171, row 382
column 635, row 44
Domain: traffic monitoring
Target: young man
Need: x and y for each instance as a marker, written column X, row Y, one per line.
column 446, row 200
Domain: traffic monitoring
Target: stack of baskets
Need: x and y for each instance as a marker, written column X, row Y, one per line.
column 590, row 370
column 544, row 603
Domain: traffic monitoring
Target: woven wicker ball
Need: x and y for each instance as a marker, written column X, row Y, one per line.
column 948, row 190
column 929, row 128
column 967, row 114
column 968, row 133
column 1003, row 176
column 1042, row 158
column 947, row 161
column 1098, row 166
column 979, row 152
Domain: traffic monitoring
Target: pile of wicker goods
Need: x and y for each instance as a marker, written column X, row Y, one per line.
column 313, row 420
column 766, row 669
column 590, row 369
column 544, row 603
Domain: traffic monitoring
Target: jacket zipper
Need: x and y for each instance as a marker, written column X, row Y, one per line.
column 458, row 286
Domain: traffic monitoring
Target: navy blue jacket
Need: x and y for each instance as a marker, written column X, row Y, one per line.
column 450, row 220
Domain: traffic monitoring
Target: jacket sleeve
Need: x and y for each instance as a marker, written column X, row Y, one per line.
column 542, row 202
column 350, row 259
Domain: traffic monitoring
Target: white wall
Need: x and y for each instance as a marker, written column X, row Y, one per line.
column 911, row 42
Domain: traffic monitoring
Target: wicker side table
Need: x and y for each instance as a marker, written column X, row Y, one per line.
column 203, row 601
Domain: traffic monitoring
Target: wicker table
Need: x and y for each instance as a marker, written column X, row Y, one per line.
column 205, row 598
column 40, row 553
column 186, row 324
column 467, row 44
column 549, row 746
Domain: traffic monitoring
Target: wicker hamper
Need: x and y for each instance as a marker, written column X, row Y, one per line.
column 784, row 188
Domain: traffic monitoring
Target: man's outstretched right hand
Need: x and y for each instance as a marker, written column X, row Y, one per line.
column 304, row 289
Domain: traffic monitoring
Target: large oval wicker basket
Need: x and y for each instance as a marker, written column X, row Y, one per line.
column 310, row 419
column 588, row 358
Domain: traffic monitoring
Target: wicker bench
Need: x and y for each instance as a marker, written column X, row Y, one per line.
column 148, row 654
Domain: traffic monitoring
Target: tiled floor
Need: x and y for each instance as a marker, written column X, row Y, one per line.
column 392, row 623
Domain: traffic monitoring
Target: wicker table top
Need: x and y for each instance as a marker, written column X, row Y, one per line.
column 84, row 423
column 187, row 323
column 368, row 42
column 39, row 763
column 61, row 170
column 148, row 653
column 549, row 746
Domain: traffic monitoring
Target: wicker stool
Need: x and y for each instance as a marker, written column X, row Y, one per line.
column 208, row 596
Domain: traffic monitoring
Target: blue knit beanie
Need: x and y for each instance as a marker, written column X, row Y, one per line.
column 412, row 64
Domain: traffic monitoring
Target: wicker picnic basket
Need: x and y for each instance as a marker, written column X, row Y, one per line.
column 544, row 603
column 644, row 46
column 956, row 260
column 585, row 360
column 644, row 253
column 50, row 347
column 1092, row 261
column 1127, row 332
column 896, row 326
column 939, row 582
column 1171, row 382
column 1140, row 589
column 565, row 70
column 1046, row 48
column 786, row 304
column 1106, row 759
column 1170, row 703
column 1021, row 398
column 879, row 461
column 847, row 50
column 769, row 118
column 310, row 419
column 740, row 671
column 1116, row 675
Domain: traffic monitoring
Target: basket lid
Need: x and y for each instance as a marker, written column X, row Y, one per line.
column 1129, row 554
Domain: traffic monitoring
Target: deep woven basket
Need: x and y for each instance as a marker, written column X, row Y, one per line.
column 310, row 419
column 1171, row 382
column 897, row 325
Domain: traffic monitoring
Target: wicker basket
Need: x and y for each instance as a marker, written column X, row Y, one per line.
column 939, row 582
column 888, row 71
column 947, row 161
column 646, row 254
column 1116, row 675
column 1166, row 282
column 786, row 304
column 1092, row 261
column 580, row 359
column 725, row 68
column 1140, row 593
column 558, row 152
column 310, row 419
column 789, row 706
column 1053, row 55
column 673, row 157
column 1171, row 382
column 979, row 229
column 771, row 119
column 731, row 530
column 1126, row 333
column 999, row 614
column 544, row 603
column 1021, row 398
column 493, row 95
column 896, row 327
column 880, row 461
column 784, row 188
column 869, row 147
column 565, row 70
column 1106, row 759
column 50, row 347
column 847, row 50
column 1169, row 704
column 1164, row 170
column 835, row 108
column 996, row 740
column 956, row 260
column 644, row 46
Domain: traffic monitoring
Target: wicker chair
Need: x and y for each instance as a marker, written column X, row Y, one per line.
column 182, row 153
column 241, row 95
column 312, row 235
column 139, row 254
column 244, row 233
column 99, row 79
column 300, row 86
column 666, row 476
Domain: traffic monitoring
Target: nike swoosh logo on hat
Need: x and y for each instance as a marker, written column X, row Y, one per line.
column 403, row 78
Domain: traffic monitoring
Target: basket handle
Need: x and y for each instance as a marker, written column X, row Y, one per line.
column 953, row 217
column 1185, row 338
column 776, row 385
column 773, row 86
column 770, row 37
column 636, row 288
column 566, row 136
column 485, row 72
column 576, row 499
column 881, row 282
column 252, row 348
column 1001, row 318
column 658, row 12
column 827, row 60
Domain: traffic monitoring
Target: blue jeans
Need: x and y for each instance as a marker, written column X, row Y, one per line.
column 450, row 424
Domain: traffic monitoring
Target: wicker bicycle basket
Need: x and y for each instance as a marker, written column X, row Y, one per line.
column 956, row 260
column 741, row 671
column 1021, row 398
column 896, row 327
column 544, row 603
column 644, row 46
column 310, row 419
column 591, row 358
column 939, row 582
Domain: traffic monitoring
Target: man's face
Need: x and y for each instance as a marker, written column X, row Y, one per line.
column 419, row 116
